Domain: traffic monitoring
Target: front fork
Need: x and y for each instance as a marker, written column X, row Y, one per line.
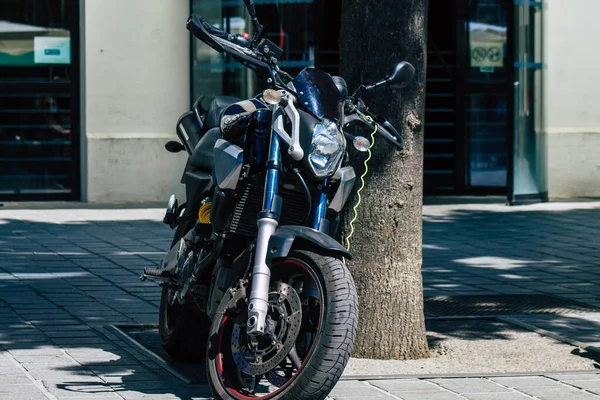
column 268, row 219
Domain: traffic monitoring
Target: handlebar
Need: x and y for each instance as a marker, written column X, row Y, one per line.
column 241, row 49
column 235, row 39
column 198, row 28
column 236, row 46
column 385, row 129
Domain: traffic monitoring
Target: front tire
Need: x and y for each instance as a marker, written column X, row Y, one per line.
column 322, row 347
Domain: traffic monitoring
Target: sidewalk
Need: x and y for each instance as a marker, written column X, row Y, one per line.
column 544, row 249
column 66, row 274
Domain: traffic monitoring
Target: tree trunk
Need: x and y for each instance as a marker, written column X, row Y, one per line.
column 375, row 35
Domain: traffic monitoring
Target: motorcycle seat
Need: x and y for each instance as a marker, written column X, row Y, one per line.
column 215, row 109
column 202, row 156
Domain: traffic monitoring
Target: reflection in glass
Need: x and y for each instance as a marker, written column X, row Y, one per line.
column 36, row 127
column 529, row 182
column 27, row 45
column 290, row 25
column 487, row 100
column 35, row 143
column 487, row 138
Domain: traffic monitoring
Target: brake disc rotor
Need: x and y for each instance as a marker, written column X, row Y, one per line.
column 257, row 357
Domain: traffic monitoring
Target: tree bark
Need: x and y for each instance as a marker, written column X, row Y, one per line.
column 387, row 239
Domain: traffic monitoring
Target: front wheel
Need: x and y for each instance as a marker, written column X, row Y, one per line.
column 310, row 330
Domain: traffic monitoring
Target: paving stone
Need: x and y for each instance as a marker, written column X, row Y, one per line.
column 38, row 351
column 79, row 390
column 570, row 376
column 77, row 374
column 116, row 378
column 525, row 381
column 404, row 385
column 7, row 380
column 470, row 385
column 70, row 333
column 583, row 384
column 36, row 363
column 89, row 340
column 356, row 390
column 438, row 395
column 21, row 392
column 149, row 395
column 556, row 393
column 498, row 396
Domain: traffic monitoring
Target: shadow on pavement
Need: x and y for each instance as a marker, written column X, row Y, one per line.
column 64, row 278
column 548, row 250
column 62, row 282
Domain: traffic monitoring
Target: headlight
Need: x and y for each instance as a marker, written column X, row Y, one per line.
column 326, row 149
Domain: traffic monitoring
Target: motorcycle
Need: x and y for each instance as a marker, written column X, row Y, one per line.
column 254, row 280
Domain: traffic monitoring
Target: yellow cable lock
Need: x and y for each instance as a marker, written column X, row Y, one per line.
column 362, row 184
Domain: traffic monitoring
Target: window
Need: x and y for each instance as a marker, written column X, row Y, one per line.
column 290, row 24
column 39, row 75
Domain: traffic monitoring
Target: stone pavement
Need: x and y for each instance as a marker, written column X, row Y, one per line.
column 551, row 248
column 550, row 387
column 68, row 273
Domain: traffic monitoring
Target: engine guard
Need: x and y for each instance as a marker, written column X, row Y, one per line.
column 284, row 238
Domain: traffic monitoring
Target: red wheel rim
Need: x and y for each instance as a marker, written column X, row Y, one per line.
column 223, row 327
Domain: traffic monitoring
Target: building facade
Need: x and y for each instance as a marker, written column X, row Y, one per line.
column 91, row 90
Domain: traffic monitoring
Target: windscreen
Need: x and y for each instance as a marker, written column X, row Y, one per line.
column 318, row 93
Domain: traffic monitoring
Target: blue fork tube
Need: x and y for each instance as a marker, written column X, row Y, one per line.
column 273, row 167
column 320, row 209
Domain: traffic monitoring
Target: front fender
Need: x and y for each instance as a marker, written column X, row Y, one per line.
column 286, row 236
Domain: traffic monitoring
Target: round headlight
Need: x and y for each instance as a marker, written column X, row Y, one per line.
column 326, row 149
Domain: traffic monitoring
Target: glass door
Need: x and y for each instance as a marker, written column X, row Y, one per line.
column 529, row 147
column 39, row 99
column 487, row 96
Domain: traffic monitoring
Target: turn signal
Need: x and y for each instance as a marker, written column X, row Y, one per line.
column 272, row 96
column 361, row 143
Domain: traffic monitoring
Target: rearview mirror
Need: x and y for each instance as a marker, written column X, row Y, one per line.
column 401, row 75
column 174, row 146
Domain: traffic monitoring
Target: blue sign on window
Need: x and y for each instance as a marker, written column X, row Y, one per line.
column 52, row 49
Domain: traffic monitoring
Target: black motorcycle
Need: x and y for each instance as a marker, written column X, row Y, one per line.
column 255, row 280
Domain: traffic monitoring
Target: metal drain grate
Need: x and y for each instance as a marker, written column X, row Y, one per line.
column 146, row 340
column 503, row 305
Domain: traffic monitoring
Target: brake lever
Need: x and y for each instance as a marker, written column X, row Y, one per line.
column 386, row 124
column 389, row 137
column 216, row 31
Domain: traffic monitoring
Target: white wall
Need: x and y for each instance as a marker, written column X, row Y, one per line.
column 136, row 86
column 572, row 97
